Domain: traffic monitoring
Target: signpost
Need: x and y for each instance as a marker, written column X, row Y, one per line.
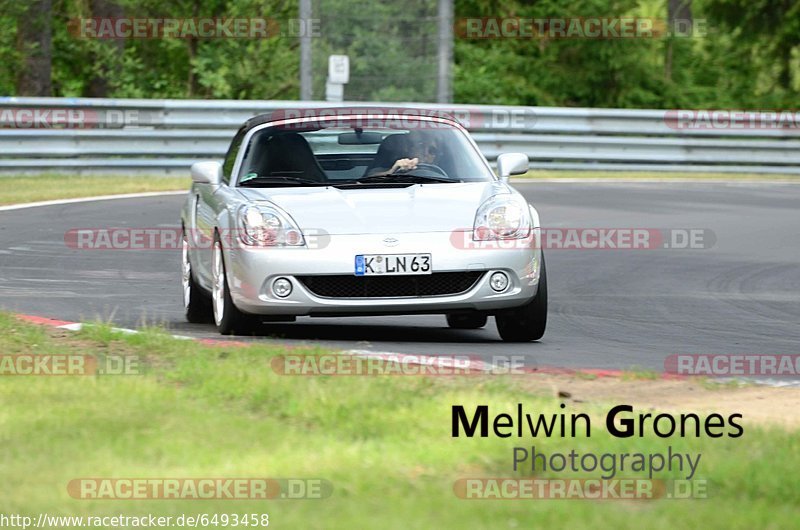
column 338, row 76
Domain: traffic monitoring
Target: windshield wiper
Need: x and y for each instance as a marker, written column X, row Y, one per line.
column 279, row 180
column 404, row 177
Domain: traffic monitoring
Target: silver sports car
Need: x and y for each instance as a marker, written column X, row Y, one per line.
column 361, row 212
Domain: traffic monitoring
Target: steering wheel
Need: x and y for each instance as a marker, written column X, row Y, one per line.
column 431, row 168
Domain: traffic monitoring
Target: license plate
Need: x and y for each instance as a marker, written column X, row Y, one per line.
column 392, row 264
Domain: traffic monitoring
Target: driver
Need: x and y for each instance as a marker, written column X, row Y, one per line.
column 423, row 149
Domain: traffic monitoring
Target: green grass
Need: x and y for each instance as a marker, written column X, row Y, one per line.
column 383, row 443
column 715, row 384
column 640, row 374
column 33, row 188
column 660, row 175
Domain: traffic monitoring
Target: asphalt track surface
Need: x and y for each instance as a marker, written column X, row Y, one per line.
column 624, row 309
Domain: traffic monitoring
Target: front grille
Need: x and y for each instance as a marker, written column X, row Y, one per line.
column 349, row 286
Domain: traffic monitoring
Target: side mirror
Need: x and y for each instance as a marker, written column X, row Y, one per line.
column 209, row 172
column 512, row 164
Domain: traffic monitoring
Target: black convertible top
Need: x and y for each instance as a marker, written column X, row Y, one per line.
column 331, row 113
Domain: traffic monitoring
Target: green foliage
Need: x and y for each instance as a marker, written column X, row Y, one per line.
column 745, row 55
column 383, row 443
column 392, row 48
column 546, row 71
column 768, row 34
column 731, row 61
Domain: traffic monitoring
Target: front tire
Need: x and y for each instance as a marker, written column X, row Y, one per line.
column 227, row 317
column 196, row 303
column 466, row 320
column 526, row 323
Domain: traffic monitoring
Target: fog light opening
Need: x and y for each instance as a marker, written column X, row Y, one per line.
column 499, row 281
column 282, row 287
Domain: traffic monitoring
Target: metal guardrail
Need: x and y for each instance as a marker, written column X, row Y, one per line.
column 166, row 136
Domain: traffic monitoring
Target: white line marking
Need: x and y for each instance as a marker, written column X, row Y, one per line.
column 447, row 362
column 408, row 358
column 77, row 326
column 614, row 180
column 425, row 360
column 59, row 202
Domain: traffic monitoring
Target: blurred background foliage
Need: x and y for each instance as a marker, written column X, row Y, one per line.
column 745, row 54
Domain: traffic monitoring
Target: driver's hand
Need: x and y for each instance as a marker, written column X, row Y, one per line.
column 405, row 164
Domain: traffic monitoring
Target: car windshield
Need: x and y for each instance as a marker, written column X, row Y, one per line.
column 361, row 152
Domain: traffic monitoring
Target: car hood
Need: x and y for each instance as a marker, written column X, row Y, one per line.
column 416, row 208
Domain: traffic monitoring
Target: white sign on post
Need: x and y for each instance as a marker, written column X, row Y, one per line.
column 334, row 92
column 338, row 69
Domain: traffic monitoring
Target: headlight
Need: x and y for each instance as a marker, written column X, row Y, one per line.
column 267, row 226
column 502, row 217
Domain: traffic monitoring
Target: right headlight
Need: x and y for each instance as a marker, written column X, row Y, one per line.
column 502, row 217
column 264, row 225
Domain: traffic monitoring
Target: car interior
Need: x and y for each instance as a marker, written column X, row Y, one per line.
column 286, row 155
column 340, row 157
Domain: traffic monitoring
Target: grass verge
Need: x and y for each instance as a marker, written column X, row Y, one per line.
column 33, row 188
column 656, row 175
column 383, row 443
column 46, row 187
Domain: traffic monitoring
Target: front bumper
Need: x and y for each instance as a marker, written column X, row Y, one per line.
column 251, row 272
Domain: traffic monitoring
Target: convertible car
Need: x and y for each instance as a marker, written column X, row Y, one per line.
column 365, row 213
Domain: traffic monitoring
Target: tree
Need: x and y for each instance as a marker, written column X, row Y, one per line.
column 34, row 41
column 679, row 19
column 772, row 26
column 99, row 86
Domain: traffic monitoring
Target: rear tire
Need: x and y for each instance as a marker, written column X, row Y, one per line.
column 466, row 320
column 196, row 303
column 227, row 317
column 526, row 323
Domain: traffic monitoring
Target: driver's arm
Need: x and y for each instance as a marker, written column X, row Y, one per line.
column 405, row 164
